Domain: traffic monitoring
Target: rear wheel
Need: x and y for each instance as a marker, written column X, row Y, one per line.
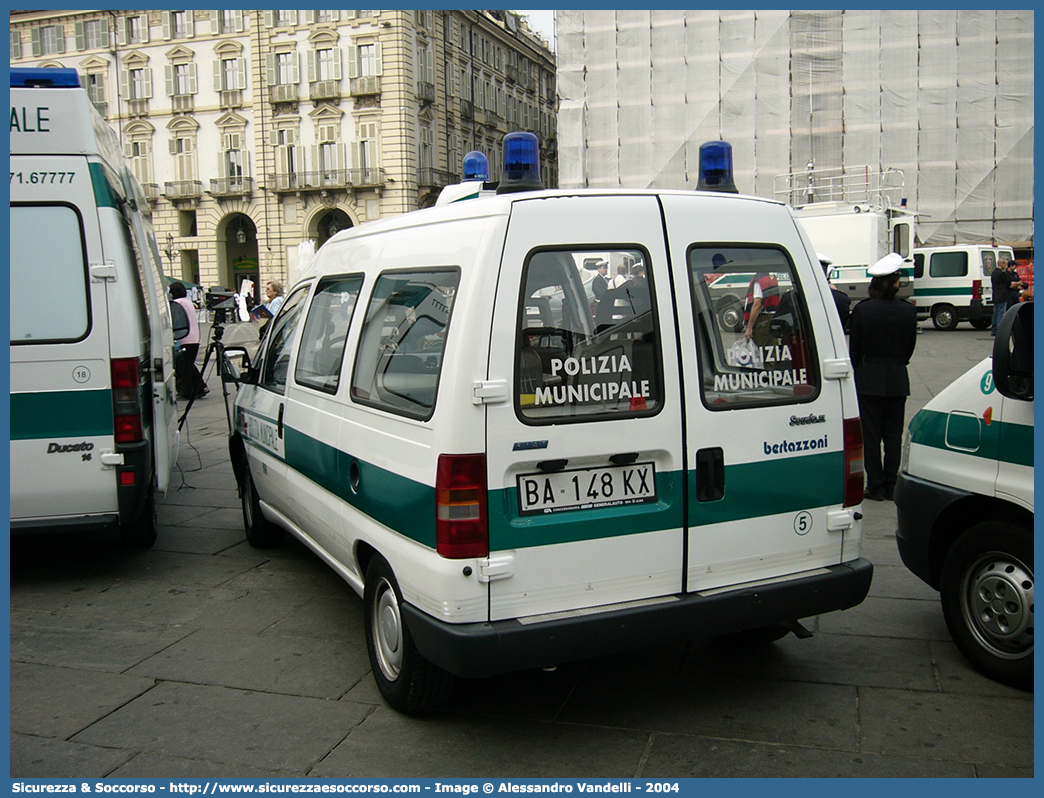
column 260, row 532
column 944, row 317
column 987, row 599
column 730, row 314
column 141, row 532
column 980, row 324
column 408, row 682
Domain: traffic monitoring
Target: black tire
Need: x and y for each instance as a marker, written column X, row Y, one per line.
column 987, row 600
column 141, row 532
column 260, row 532
column 980, row 324
column 408, row 682
column 758, row 636
column 944, row 317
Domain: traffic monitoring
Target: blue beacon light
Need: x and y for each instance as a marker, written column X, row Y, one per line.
column 521, row 163
column 46, row 78
column 476, row 167
column 716, row 167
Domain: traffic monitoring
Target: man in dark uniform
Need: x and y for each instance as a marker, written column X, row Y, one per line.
column 842, row 301
column 883, row 334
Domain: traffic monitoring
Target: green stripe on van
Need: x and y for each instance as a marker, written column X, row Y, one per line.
column 60, row 414
column 103, row 196
column 954, row 291
column 967, row 434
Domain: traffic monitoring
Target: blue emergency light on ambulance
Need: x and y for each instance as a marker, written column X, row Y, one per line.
column 476, row 167
column 521, row 163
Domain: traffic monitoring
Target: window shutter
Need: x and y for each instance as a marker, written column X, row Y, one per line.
column 310, row 58
column 223, row 171
column 81, row 36
column 377, row 69
column 190, row 23
column 121, row 30
column 193, row 83
column 125, row 83
column 300, row 159
column 128, row 150
column 99, row 87
column 310, row 17
column 313, row 155
column 295, row 67
column 237, row 20
column 215, row 22
column 173, row 146
column 337, row 71
column 273, row 138
column 167, row 24
column 168, row 74
column 219, row 76
column 353, row 61
column 144, row 28
column 241, row 72
column 271, row 75
column 335, row 16
column 148, row 84
column 270, row 19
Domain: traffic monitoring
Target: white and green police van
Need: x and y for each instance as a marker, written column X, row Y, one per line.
column 952, row 284
column 964, row 501
column 93, row 407
column 512, row 478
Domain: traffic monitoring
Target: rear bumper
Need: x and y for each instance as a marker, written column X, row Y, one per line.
column 485, row 649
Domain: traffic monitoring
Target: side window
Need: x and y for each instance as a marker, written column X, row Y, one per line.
column 325, row 332
column 399, row 359
column 587, row 345
column 918, row 266
column 989, row 262
column 754, row 341
column 948, row 264
column 50, row 299
column 281, row 341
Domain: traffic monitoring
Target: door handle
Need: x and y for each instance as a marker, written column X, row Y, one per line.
column 710, row 474
column 279, row 422
column 623, row 459
column 547, row 466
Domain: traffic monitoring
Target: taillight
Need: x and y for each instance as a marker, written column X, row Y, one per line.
column 853, row 462
column 126, row 400
column 461, row 518
column 976, row 289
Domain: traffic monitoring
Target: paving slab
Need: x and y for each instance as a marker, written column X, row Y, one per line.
column 229, row 727
column 43, row 758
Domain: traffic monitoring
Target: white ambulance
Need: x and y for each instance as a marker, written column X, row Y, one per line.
column 964, row 501
column 93, row 407
column 513, row 479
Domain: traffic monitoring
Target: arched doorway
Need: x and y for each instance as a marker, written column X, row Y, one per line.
column 239, row 247
column 329, row 224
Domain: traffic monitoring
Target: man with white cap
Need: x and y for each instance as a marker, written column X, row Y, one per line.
column 841, row 299
column 883, row 334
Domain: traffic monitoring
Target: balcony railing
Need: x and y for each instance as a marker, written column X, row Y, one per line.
column 101, row 108
column 137, row 107
column 183, row 189
column 231, row 98
column 435, row 178
column 325, row 90
column 364, row 86
column 182, row 104
column 425, row 92
column 284, row 93
column 231, row 186
column 326, row 179
column 151, row 191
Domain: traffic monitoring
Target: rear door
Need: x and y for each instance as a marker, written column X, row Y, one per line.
column 61, row 399
column 585, row 467
column 764, row 423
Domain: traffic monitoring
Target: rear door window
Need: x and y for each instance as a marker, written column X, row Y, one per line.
column 754, row 339
column 586, row 348
column 399, row 358
column 50, row 299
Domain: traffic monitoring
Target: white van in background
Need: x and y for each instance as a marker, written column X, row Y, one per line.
column 952, row 284
column 93, row 406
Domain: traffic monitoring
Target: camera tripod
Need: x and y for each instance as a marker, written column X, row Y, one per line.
column 214, row 347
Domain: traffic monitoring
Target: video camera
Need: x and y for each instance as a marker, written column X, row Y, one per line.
column 220, row 300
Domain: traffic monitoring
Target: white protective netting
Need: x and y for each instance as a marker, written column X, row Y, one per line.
column 945, row 96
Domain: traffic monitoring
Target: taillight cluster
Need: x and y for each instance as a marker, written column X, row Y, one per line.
column 976, row 289
column 461, row 512
column 126, row 400
column 853, row 462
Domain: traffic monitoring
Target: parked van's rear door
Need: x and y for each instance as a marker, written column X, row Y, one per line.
column 585, row 466
column 61, row 398
column 764, row 423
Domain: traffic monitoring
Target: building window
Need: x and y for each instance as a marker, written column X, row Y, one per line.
column 134, row 30
column 229, row 22
column 178, row 25
column 368, row 60
column 184, row 151
column 138, row 153
column 92, row 35
column 95, row 85
column 427, row 147
column 285, row 19
column 286, row 69
column 327, row 64
column 137, row 83
column 233, row 159
column 425, row 72
column 366, row 148
column 48, row 40
column 181, row 79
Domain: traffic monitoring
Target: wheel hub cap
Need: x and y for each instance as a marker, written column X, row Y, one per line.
column 1000, row 605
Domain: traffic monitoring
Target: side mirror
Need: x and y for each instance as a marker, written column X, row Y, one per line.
column 235, row 365
column 179, row 318
column 1013, row 353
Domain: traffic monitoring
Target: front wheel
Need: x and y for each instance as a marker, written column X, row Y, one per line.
column 260, row 532
column 408, row 682
column 987, row 599
column 944, row 317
